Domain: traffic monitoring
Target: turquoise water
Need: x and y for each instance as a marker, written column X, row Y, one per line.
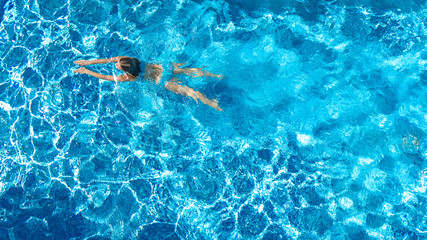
column 323, row 134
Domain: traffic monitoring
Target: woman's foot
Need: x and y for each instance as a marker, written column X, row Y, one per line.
column 214, row 104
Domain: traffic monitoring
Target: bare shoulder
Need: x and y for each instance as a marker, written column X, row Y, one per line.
column 126, row 78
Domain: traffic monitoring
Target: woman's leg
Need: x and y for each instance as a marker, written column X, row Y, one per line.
column 174, row 86
column 193, row 72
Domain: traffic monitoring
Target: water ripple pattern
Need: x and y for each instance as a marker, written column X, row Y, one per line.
column 323, row 134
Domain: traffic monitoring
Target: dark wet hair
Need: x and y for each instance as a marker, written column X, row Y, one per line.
column 131, row 65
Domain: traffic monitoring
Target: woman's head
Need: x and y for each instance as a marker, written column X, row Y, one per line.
column 129, row 65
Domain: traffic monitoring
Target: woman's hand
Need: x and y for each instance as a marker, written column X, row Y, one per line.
column 81, row 70
column 82, row 62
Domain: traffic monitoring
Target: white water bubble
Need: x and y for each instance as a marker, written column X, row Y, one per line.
column 346, row 203
column 89, row 41
column 260, row 208
column 422, row 186
column 387, row 209
column 5, row 106
column 409, row 198
column 375, row 180
column 304, row 139
column 365, row 161
column 341, row 47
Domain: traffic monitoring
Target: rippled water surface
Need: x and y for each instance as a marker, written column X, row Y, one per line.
column 323, row 134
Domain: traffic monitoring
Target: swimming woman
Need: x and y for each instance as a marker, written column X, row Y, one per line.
column 153, row 72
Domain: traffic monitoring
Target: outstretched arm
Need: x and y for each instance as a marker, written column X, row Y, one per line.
column 121, row 78
column 97, row 61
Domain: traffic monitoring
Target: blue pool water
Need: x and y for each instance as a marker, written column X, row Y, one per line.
column 323, row 134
